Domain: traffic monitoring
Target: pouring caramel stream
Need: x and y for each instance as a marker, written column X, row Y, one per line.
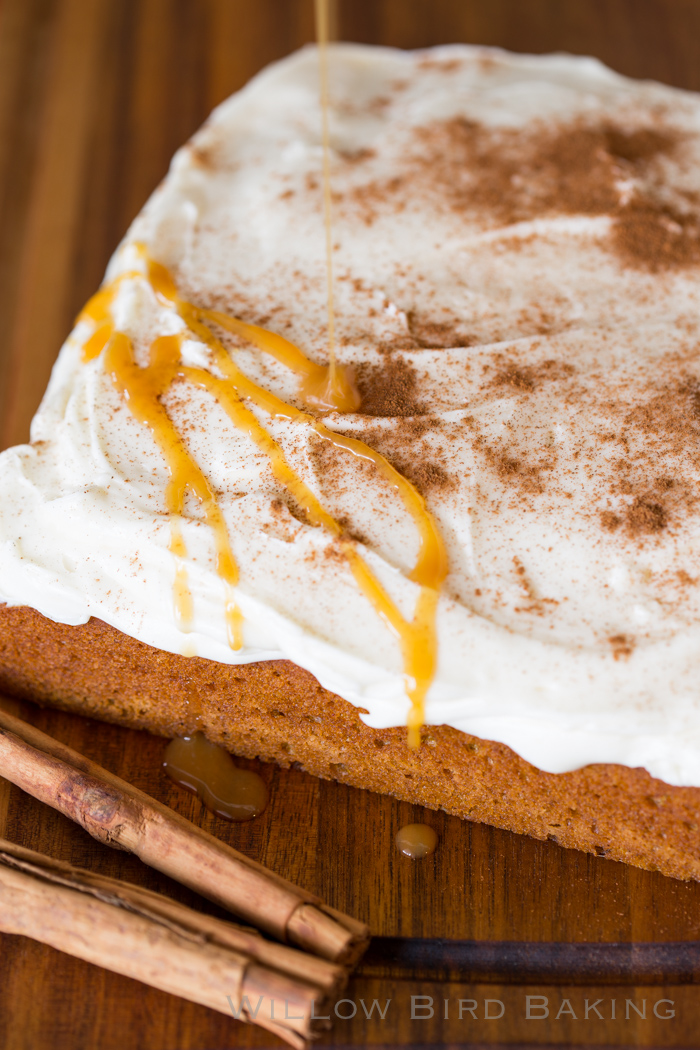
column 326, row 390
column 143, row 387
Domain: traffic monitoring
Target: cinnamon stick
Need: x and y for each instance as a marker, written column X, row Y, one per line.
column 119, row 815
column 156, row 940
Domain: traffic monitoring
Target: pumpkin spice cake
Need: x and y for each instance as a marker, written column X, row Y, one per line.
column 491, row 537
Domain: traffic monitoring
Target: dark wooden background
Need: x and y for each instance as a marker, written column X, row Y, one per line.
column 95, row 96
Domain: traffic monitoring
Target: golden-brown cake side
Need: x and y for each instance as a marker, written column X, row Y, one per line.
column 278, row 712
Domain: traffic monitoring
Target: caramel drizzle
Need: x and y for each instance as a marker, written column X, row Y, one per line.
column 322, row 36
column 144, row 387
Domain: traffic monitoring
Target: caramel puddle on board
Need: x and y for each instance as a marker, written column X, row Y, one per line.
column 208, row 770
column 416, row 840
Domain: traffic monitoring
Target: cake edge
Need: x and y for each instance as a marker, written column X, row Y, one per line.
column 278, row 712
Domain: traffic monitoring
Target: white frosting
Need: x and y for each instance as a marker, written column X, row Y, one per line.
column 570, row 641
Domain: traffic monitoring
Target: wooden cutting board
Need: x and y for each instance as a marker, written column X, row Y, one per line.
column 95, row 96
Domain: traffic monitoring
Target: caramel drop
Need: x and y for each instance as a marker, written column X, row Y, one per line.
column 208, row 770
column 416, row 840
column 330, row 388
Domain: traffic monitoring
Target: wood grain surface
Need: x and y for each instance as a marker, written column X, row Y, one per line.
column 95, row 96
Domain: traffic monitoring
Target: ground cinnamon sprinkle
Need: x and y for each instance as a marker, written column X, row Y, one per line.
column 389, row 389
column 622, row 646
column 529, row 377
column 663, row 431
column 609, row 520
column 427, row 475
column 520, row 173
column 671, row 417
column 430, row 334
column 575, row 168
column 655, row 236
column 512, row 375
column 511, row 469
column 645, row 516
